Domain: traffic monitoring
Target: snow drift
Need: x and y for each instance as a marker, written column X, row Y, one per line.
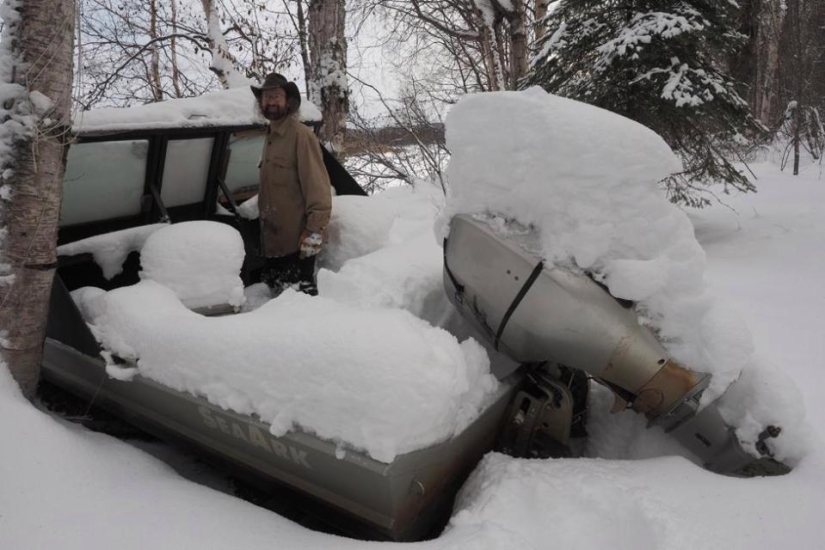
column 379, row 380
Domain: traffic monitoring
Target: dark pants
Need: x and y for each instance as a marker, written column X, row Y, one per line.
column 286, row 271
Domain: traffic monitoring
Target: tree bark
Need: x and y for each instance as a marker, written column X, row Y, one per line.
column 798, row 89
column 157, row 89
column 769, row 35
column 173, row 45
column 495, row 73
column 328, row 86
column 302, row 43
column 34, row 173
column 517, row 19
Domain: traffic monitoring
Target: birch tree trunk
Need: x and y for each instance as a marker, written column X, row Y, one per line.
column 173, row 45
column 541, row 11
column 154, row 62
column 328, row 86
column 492, row 67
column 36, row 126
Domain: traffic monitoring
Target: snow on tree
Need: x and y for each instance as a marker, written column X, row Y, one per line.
column 659, row 62
column 35, row 96
column 130, row 53
column 223, row 64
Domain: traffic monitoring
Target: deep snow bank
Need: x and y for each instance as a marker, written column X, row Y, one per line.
column 359, row 370
column 64, row 487
column 405, row 270
column 405, row 276
column 379, row 379
column 585, row 180
column 358, row 226
column 655, row 504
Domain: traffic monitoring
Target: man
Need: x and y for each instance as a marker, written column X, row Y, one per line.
column 294, row 199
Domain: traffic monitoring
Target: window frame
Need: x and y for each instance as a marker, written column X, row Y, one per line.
column 152, row 208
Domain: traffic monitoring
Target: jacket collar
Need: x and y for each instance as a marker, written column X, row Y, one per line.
column 279, row 127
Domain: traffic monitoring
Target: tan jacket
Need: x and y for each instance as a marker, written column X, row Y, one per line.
column 295, row 192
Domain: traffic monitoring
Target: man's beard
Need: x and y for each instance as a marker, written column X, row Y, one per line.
column 274, row 113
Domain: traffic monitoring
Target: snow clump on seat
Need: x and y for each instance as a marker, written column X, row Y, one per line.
column 199, row 261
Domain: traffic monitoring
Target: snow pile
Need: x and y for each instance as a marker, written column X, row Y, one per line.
column 233, row 107
column 86, row 300
column 586, row 180
column 379, row 380
column 414, row 208
column 558, row 154
column 405, row 276
column 249, row 209
column 200, row 261
column 359, row 225
column 110, row 250
column 64, row 486
column 661, row 503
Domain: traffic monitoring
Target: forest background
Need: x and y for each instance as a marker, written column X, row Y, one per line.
column 718, row 80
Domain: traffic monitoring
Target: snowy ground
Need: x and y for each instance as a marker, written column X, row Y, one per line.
column 62, row 486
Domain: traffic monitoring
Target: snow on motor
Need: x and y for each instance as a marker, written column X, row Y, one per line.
column 537, row 313
column 576, row 260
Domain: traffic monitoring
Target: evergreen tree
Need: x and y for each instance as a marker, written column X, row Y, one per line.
column 660, row 63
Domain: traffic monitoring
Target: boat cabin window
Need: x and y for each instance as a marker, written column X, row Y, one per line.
column 185, row 171
column 103, row 180
column 245, row 150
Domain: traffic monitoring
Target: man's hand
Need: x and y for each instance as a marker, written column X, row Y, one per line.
column 310, row 244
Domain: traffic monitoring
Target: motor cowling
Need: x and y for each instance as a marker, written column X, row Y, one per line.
column 537, row 313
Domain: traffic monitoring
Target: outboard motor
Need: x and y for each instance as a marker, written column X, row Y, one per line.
column 536, row 313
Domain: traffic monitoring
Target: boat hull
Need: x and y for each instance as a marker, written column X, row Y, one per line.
column 401, row 500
